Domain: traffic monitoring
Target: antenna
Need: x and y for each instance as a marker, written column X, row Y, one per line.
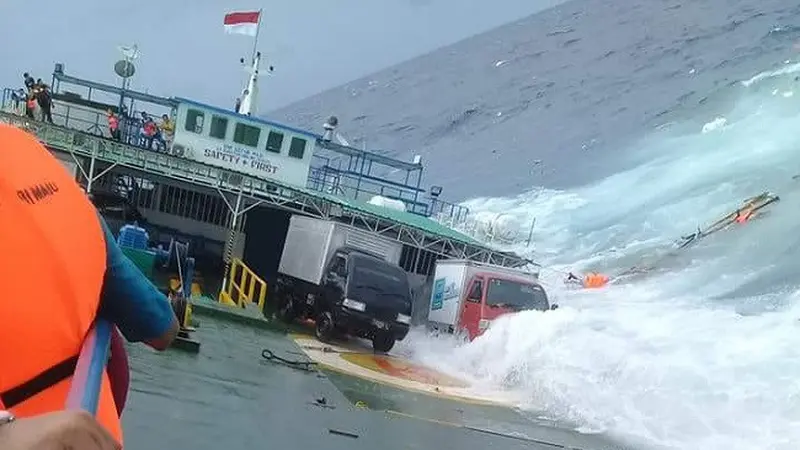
column 125, row 69
column 129, row 53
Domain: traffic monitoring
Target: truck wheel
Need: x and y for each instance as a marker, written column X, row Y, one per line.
column 325, row 328
column 383, row 341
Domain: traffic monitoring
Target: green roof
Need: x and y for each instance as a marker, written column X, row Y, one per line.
column 422, row 223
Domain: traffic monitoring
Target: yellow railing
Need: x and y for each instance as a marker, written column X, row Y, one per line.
column 243, row 285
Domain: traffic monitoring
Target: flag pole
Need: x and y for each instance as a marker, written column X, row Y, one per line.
column 255, row 41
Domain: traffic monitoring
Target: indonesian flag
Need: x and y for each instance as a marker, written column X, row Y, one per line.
column 242, row 22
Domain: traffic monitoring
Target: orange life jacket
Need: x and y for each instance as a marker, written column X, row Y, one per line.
column 150, row 128
column 595, row 280
column 744, row 216
column 52, row 277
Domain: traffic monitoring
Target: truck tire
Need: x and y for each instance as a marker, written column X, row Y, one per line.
column 383, row 341
column 324, row 327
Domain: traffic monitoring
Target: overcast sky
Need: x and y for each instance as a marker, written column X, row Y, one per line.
column 313, row 44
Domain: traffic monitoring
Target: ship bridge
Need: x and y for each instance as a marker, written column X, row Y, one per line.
column 229, row 182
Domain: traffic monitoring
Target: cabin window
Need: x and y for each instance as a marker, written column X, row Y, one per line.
column 476, row 293
column 219, row 127
column 246, row 135
column 274, row 141
column 194, row 121
column 298, row 148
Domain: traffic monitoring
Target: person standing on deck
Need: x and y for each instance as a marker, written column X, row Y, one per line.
column 30, row 106
column 29, row 81
column 45, row 101
column 62, row 253
column 168, row 129
column 113, row 125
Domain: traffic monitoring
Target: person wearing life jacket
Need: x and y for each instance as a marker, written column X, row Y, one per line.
column 594, row 280
column 30, row 106
column 743, row 215
column 590, row 280
column 149, row 130
column 61, row 269
column 113, row 125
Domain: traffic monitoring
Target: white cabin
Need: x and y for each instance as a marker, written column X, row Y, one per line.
column 242, row 143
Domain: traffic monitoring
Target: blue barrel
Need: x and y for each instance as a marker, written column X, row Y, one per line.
column 133, row 236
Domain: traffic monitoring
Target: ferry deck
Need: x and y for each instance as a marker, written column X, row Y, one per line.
column 228, row 182
column 231, row 213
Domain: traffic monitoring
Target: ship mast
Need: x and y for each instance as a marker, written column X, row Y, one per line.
column 248, row 102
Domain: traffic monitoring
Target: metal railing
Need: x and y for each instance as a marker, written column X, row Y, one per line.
column 244, row 287
column 325, row 175
column 329, row 177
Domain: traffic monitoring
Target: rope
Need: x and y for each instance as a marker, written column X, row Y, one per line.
column 180, row 268
column 307, row 366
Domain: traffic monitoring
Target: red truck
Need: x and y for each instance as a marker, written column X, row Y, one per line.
column 468, row 295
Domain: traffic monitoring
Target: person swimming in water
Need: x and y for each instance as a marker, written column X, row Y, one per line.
column 591, row 280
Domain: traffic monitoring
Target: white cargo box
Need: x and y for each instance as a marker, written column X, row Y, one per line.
column 311, row 242
column 450, row 280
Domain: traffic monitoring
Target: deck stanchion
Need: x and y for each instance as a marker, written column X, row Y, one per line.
column 236, row 210
column 89, row 176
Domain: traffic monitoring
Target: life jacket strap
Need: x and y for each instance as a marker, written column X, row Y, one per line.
column 39, row 383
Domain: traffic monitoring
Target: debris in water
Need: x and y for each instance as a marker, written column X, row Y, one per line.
column 322, row 402
column 343, row 433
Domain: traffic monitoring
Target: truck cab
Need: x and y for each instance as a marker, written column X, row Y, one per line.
column 345, row 279
column 367, row 297
column 359, row 295
column 491, row 295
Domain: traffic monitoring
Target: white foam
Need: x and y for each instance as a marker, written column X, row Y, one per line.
column 789, row 68
column 714, row 125
column 665, row 360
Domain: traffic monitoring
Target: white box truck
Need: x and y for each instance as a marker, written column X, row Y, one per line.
column 344, row 278
column 468, row 295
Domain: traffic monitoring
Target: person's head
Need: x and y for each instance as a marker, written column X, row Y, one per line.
column 165, row 117
column 26, row 75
